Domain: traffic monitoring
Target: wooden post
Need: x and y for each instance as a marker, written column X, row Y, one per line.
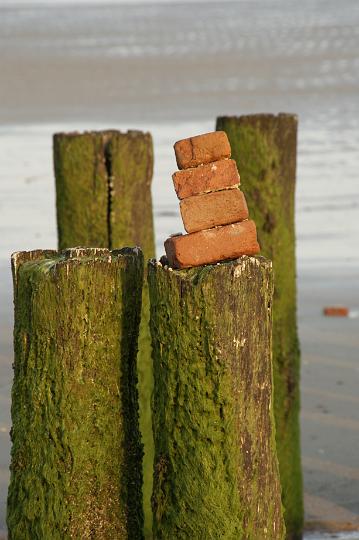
column 76, row 461
column 264, row 147
column 216, row 471
column 103, row 198
column 103, row 189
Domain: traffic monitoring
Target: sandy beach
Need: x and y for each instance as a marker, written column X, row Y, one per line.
column 171, row 69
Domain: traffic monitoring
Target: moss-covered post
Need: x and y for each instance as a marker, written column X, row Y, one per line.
column 76, row 460
column 103, row 199
column 216, row 471
column 103, row 189
column 264, row 147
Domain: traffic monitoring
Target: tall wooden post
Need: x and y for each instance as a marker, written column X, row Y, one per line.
column 216, row 472
column 76, row 461
column 264, row 147
column 103, row 199
column 103, row 189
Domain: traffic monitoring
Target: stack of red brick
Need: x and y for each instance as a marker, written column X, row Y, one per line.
column 214, row 210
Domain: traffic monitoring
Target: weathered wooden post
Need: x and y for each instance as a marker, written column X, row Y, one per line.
column 103, row 199
column 103, row 189
column 216, row 471
column 76, row 462
column 264, row 147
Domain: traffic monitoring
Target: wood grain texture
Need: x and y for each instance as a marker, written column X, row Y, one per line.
column 216, row 471
column 265, row 148
column 103, row 199
column 76, row 459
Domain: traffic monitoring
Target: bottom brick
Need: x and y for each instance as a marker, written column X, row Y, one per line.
column 212, row 245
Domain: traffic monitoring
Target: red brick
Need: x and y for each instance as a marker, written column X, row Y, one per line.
column 212, row 245
column 212, row 209
column 336, row 311
column 202, row 149
column 205, row 178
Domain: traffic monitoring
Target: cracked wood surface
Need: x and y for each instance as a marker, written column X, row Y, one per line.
column 76, row 459
column 103, row 198
column 265, row 148
column 216, row 472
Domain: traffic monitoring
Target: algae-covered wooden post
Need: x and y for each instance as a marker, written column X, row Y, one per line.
column 103, row 189
column 76, row 460
column 216, row 471
column 264, row 147
column 103, row 199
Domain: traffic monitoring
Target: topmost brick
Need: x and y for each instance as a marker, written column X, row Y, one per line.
column 202, row 149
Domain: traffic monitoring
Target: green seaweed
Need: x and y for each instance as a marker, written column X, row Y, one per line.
column 103, row 186
column 130, row 158
column 76, row 459
column 216, row 472
column 264, row 147
column 81, row 190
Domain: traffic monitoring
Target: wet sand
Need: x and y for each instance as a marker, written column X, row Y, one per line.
column 330, row 399
column 166, row 62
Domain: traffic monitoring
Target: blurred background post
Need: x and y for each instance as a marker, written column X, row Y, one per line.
column 103, row 199
column 265, row 149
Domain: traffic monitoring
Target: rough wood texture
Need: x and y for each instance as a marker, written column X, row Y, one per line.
column 264, row 147
column 216, row 472
column 76, row 460
column 82, row 190
column 103, row 188
column 130, row 158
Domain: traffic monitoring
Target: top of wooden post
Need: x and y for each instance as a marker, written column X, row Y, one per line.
column 234, row 265
column 263, row 117
column 106, row 133
column 72, row 254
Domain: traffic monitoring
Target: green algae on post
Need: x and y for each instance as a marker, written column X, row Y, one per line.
column 216, row 472
column 103, row 189
column 103, row 199
column 81, row 190
column 264, row 147
column 76, row 459
column 130, row 158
